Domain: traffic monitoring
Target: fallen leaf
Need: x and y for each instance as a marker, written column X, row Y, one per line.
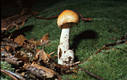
column 42, row 55
column 22, row 56
column 20, row 40
column 7, row 48
column 45, row 39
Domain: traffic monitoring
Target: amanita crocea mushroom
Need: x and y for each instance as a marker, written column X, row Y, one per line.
column 65, row 21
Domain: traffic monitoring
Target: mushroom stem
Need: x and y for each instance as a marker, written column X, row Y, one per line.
column 65, row 56
column 64, row 39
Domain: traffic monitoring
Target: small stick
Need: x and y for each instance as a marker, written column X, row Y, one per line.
column 91, row 74
column 122, row 40
column 106, row 46
column 53, row 17
column 49, row 18
column 99, row 50
column 9, row 74
column 5, row 56
column 16, row 75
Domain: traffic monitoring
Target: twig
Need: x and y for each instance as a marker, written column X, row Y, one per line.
column 16, row 75
column 8, row 42
column 13, row 22
column 5, row 56
column 39, row 71
column 99, row 50
column 12, row 60
column 84, row 18
column 106, row 46
column 9, row 74
column 53, row 17
column 12, row 44
column 49, row 18
column 91, row 74
column 13, row 74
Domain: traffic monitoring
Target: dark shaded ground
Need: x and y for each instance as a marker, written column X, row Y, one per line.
column 12, row 7
column 87, row 34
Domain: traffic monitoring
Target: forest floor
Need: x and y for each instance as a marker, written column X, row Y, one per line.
column 108, row 25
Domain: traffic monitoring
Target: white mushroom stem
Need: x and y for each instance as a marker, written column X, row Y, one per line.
column 64, row 39
column 65, row 56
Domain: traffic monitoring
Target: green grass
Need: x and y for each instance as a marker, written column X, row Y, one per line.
column 109, row 24
column 109, row 64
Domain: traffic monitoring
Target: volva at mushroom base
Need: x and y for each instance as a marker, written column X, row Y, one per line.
column 65, row 21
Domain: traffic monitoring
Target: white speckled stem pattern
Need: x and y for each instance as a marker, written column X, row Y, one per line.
column 65, row 56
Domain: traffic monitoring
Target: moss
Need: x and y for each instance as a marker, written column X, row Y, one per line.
column 109, row 64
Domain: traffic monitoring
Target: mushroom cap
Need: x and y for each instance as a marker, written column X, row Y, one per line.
column 67, row 17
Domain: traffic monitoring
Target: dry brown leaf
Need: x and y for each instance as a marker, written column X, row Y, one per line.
column 20, row 40
column 34, row 42
column 23, row 73
column 42, row 41
column 22, row 56
column 37, row 54
column 45, row 39
column 42, row 55
column 7, row 48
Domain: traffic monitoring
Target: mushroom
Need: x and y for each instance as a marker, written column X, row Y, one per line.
column 65, row 21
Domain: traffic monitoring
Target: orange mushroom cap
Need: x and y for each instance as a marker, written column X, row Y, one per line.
column 67, row 17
